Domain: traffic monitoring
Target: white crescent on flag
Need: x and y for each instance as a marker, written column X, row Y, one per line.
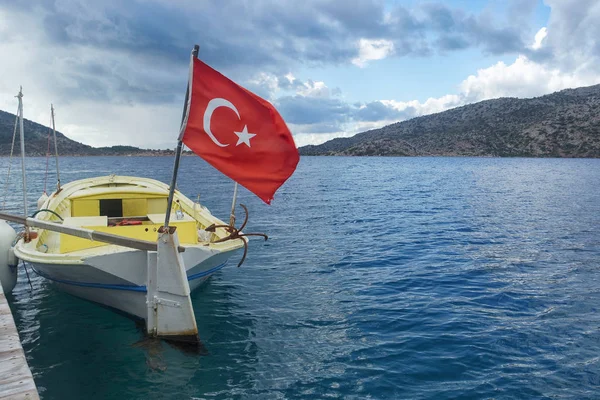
column 210, row 109
column 243, row 136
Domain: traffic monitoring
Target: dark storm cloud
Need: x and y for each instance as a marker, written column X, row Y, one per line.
column 257, row 33
column 452, row 42
column 154, row 38
column 459, row 30
column 376, row 111
column 319, row 115
column 303, row 110
column 492, row 39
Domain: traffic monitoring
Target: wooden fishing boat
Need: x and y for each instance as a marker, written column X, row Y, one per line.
column 130, row 208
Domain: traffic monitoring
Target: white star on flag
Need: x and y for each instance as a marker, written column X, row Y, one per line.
column 244, row 136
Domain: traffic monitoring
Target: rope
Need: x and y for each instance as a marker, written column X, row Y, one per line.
column 236, row 233
column 28, row 280
column 12, row 148
column 46, row 210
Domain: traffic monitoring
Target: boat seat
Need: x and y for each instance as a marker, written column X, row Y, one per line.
column 86, row 221
column 160, row 218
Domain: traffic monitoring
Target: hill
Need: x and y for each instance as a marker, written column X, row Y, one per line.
column 562, row 124
column 36, row 142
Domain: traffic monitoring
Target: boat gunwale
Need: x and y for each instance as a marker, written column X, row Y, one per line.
column 23, row 253
column 30, row 253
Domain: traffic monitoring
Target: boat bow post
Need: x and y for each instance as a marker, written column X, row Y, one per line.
column 170, row 312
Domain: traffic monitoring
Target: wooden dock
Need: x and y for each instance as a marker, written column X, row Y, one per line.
column 16, row 381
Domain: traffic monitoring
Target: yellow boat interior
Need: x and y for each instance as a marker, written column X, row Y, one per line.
column 126, row 206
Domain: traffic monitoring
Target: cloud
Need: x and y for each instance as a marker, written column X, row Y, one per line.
column 369, row 50
column 564, row 54
column 302, row 110
column 523, row 78
column 572, row 40
column 314, row 89
column 314, row 118
column 269, row 35
column 539, row 38
column 415, row 108
column 315, row 113
column 458, row 30
column 110, row 59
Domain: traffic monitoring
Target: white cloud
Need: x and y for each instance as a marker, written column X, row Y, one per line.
column 99, row 124
column 290, row 77
column 370, row 49
column 107, row 116
column 303, row 139
column 539, row 38
column 430, row 106
column 572, row 42
column 314, row 89
column 523, row 78
column 266, row 85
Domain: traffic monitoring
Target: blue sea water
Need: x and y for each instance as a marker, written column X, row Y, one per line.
column 384, row 278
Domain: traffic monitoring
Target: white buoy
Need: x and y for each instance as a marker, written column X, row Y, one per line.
column 8, row 273
column 42, row 200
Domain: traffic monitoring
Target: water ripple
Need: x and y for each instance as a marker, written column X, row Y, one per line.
column 390, row 278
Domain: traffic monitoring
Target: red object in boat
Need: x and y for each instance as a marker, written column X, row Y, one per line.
column 127, row 222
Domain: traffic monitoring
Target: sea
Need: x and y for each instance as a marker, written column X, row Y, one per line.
column 383, row 278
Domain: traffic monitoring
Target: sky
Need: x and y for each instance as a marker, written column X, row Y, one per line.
column 116, row 70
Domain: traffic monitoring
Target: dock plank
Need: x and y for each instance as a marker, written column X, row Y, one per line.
column 16, row 381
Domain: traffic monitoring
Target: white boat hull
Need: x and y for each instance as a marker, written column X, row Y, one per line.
column 94, row 284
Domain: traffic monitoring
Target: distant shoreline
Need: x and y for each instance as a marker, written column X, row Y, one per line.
column 313, row 155
column 172, row 154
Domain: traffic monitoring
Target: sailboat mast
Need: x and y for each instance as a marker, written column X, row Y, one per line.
column 55, row 150
column 179, row 145
column 22, row 135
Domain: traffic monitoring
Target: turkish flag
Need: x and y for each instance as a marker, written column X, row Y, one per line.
column 238, row 133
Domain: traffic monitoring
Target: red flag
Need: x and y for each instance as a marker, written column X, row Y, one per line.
column 238, row 133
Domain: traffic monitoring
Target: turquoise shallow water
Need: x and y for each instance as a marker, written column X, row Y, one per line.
column 384, row 278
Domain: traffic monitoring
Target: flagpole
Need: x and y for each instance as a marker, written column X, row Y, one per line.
column 179, row 145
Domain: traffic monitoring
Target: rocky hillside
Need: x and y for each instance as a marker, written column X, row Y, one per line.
column 36, row 142
column 562, row 124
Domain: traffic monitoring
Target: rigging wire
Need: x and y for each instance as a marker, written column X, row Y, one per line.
column 58, row 188
column 12, row 148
